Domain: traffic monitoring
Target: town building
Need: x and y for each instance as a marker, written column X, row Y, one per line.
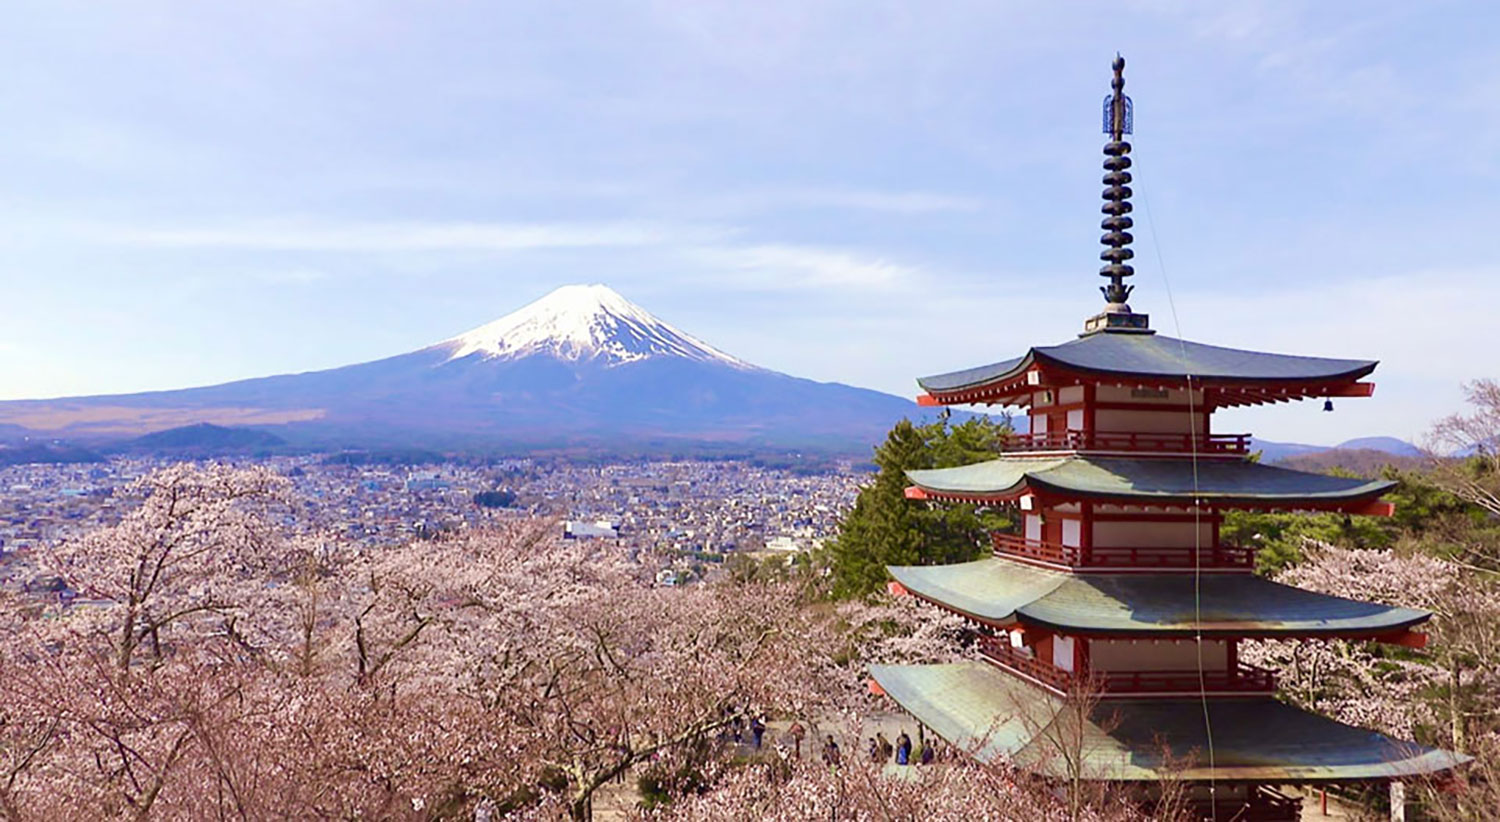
column 1117, row 600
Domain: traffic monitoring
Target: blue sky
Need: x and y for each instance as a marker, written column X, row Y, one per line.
column 853, row 191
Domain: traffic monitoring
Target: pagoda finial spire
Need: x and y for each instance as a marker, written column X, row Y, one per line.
column 1117, row 123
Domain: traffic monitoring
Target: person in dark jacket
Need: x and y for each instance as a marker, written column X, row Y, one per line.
column 903, row 749
column 831, row 752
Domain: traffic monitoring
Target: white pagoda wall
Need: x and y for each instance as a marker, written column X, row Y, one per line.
column 1110, row 420
column 1062, row 652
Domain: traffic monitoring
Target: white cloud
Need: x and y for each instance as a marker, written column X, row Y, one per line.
column 300, row 275
column 778, row 267
column 895, row 202
column 411, row 236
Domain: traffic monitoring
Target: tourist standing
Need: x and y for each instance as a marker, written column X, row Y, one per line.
column 831, row 752
column 797, row 732
column 903, row 749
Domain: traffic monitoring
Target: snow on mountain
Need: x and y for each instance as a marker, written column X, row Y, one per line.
column 580, row 369
column 584, row 322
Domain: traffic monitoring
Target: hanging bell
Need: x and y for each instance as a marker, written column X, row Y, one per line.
column 1327, row 405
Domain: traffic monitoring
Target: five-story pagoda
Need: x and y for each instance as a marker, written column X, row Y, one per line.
column 1119, row 590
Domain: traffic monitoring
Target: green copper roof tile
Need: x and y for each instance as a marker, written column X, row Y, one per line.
column 1163, row 480
column 988, row 589
column 994, row 716
column 1000, row 590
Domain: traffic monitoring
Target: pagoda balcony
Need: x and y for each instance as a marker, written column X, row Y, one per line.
column 1216, row 558
column 1265, row 804
column 1019, row 661
column 1074, row 440
column 1244, row 679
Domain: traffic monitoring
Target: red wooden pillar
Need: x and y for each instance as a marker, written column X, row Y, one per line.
column 1203, row 409
column 1051, row 526
column 1088, row 412
column 1086, row 531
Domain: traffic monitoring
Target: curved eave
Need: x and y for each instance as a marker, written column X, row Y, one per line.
column 1158, row 482
column 970, row 590
column 1207, row 366
column 1001, row 592
column 1363, row 368
column 1293, row 501
column 992, row 716
column 1016, row 368
column 1240, row 629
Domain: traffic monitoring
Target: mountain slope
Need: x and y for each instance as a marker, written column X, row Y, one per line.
column 581, row 367
column 1282, row 451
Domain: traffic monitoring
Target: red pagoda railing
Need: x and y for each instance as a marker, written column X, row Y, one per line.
column 1104, row 557
column 1243, row 679
column 1073, row 440
column 1010, row 544
column 1022, row 662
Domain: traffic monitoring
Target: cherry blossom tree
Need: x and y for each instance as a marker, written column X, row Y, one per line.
column 779, row 788
column 1450, row 684
column 189, row 548
column 1473, row 438
column 222, row 663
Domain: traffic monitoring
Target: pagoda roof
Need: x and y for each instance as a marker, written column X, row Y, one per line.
column 994, row 716
column 1147, row 480
column 1157, row 357
column 1003, row 591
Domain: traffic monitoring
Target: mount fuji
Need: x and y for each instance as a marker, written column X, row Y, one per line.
column 582, row 368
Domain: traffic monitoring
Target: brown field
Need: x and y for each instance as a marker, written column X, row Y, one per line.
column 118, row 420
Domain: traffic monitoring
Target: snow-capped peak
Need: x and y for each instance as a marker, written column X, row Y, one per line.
column 584, row 322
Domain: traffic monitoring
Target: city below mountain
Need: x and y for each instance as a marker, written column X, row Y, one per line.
column 581, row 370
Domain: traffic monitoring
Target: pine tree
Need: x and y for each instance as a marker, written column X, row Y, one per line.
column 884, row 528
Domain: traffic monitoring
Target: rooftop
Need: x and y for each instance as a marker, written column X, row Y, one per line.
column 1155, row 356
column 1153, row 480
column 980, row 709
column 1002, row 591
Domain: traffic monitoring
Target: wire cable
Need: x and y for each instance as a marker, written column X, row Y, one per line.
column 1208, row 727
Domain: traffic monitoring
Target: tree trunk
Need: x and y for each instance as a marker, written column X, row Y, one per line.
column 1455, row 707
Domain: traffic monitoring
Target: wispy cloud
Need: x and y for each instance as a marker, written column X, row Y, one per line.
column 778, row 267
column 413, row 236
column 894, row 202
